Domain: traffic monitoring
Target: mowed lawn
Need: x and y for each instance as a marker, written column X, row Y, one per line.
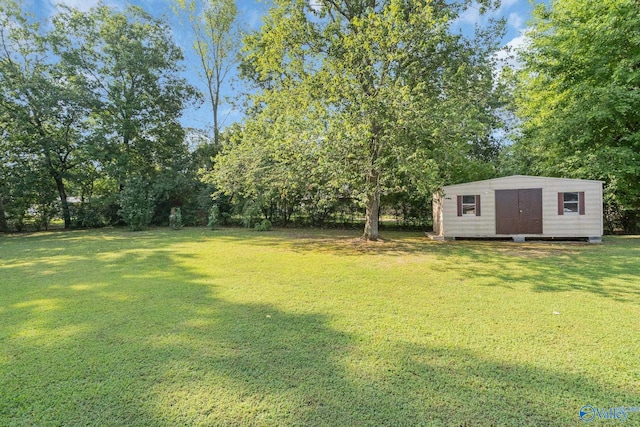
column 236, row 327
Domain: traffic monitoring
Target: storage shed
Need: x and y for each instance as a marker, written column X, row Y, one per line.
column 521, row 207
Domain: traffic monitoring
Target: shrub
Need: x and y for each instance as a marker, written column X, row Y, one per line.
column 250, row 213
column 136, row 204
column 88, row 215
column 175, row 218
column 265, row 225
column 214, row 217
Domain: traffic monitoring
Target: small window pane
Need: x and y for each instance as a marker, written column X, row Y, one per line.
column 571, row 197
column 570, row 204
column 469, row 199
column 571, row 207
column 468, row 205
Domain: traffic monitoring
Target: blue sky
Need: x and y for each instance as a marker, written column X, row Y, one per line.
column 516, row 12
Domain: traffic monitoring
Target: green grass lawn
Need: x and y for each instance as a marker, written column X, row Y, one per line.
column 235, row 327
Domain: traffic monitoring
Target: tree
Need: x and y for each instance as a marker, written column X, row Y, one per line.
column 91, row 104
column 272, row 168
column 45, row 108
column 374, row 89
column 4, row 171
column 578, row 97
column 132, row 67
column 26, row 188
column 136, row 203
column 216, row 43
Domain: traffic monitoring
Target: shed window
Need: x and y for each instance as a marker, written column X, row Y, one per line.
column 571, row 203
column 469, row 205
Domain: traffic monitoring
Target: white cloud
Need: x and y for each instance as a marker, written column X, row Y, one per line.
column 316, row 5
column 507, row 56
column 471, row 15
column 251, row 18
column 505, row 4
column 515, row 20
column 521, row 41
column 83, row 5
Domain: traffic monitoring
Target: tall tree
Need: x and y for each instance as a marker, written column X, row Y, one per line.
column 133, row 68
column 216, row 42
column 4, row 171
column 375, row 89
column 44, row 106
column 578, row 96
column 273, row 166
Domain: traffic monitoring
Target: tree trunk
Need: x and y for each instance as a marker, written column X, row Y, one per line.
column 4, row 227
column 215, row 101
column 66, row 215
column 372, row 215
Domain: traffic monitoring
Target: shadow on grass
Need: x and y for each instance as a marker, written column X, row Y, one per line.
column 138, row 339
column 610, row 270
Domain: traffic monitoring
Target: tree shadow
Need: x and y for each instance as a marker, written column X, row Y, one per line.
column 296, row 369
column 337, row 242
column 609, row 270
column 148, row 340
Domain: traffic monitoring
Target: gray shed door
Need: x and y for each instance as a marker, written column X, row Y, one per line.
column 519, row 211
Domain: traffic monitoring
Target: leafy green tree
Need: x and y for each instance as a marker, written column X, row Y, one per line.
column 133, row 69
column 137, row 203
column 45, row 107
column 28, row 192
column 4, row 172
column 92, row 101
column 578, row 97
column 4, row 226
column 216, row 42
column 358, row 92
column 180, row 184
column 272, row 167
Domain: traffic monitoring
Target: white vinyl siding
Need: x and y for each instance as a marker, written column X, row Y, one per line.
column 554, row 225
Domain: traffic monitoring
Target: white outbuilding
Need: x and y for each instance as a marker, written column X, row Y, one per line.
column 520, row 207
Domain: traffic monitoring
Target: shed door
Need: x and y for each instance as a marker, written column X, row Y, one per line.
column 519, row 211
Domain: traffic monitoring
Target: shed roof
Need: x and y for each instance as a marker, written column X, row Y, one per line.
column 523, row 177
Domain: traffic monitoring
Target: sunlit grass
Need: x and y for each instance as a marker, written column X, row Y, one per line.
column 235, row 327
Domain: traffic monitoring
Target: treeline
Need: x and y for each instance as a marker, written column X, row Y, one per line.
column 354, row 111
column 577, row 99
column 89, row 120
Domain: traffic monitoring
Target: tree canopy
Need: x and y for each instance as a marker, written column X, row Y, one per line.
column 132, row 68
column 365, row 97
column 45, row 107
column 216, row 42
column 578, row 97
column 96, row 95
column 352, row 108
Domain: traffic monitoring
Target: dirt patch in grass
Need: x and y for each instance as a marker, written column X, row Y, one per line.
column 350, row 245
column 539, row 250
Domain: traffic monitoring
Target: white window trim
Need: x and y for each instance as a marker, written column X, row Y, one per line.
column 577, row 203
column 473, row 212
